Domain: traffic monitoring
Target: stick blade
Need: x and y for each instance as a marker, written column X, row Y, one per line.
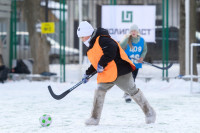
column 170, row 65
column 163, row 68
column 57, row 97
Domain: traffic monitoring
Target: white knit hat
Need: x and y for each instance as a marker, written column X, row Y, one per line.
column 85, row 29
column 134, row 27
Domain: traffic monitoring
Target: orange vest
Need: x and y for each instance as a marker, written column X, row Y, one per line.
column 110, row 71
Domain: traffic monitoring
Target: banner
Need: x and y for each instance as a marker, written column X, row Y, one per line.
column 118, row 19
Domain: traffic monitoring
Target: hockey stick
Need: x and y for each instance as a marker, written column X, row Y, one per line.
column 58, row 97
column 162, row 68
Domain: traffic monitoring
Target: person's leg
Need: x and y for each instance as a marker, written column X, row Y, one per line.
column 127, row 97
column 126, row 83
column 149, row 112
column 99, row 97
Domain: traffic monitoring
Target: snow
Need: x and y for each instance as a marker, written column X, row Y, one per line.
column 23, row 102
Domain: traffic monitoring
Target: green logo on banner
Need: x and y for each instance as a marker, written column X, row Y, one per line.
column 127, row 17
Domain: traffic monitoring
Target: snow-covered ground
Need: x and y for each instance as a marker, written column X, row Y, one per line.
column 23, row 102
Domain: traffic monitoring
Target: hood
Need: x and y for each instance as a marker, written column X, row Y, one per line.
column 98, row 32
column 102, row 31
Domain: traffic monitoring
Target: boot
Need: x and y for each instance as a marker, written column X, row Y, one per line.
column 150, row 114
column 97, row 107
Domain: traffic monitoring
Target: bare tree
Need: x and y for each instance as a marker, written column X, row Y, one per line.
column 193, row 26
column 38, row 43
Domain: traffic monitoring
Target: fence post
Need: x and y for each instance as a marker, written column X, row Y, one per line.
column 13, row 36
column 165, row 37
column 62, row 40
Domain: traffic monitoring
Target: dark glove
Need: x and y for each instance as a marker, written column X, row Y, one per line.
column 100, row 69
column 85, row 78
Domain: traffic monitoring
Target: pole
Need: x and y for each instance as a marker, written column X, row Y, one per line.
column 80, row 42
column 167, row 37
column 64, row 42
column 13, row 36
column 187, row 35
column 15, row 29
column 163, row 37
column 46, row 10
column 191, row 68
column 60, row 41
column 113, row 2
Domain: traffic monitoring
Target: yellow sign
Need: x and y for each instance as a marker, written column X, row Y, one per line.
column 47, row 27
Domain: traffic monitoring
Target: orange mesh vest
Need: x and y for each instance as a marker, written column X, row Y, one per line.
column 110, row 71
